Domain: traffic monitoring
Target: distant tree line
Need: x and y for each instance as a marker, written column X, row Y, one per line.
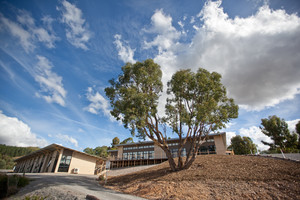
column 9, row 153
column 14, row 151
column 102, row 151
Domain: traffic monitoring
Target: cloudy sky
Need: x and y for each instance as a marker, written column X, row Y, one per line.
column 56, row 58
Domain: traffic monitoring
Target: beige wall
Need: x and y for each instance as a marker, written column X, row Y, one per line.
column 85, row 164
column 158, row 152
column 120, row 152
column 220, row 144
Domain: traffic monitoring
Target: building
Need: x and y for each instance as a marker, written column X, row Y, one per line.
column 145, row 153
column 55, row 158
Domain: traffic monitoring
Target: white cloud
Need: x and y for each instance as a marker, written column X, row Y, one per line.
column 52, row 89
column 16, row 133
column 28, row 33
column 292, row 125
column 124, row 51
column 98, row 103
column 17, row 31
column 67, row 138
column 258, row 56
column 257, row 136
column 77, row 29
column 180, row 23
column 229, row 135
column 167, row 35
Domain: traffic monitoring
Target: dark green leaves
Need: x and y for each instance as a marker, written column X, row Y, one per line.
column 198, row 99
column 134, row 96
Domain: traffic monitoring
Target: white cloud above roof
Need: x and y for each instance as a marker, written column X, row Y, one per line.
column 14, row 132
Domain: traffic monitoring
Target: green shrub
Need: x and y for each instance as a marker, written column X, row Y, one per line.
column 23, row 181
column 10, row 184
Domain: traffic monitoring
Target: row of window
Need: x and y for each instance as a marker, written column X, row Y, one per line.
column 173, row 144
column 138, row 155
column 139, row 147
column 174, row 152
column 207, row 148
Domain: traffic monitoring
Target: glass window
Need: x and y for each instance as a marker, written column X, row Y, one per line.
column 151, row 154
column 183, row 152
column 134, row 155
column 174, row 152
column 145, row 154
column 130, row 156
column 64, row 163
column 125, row 156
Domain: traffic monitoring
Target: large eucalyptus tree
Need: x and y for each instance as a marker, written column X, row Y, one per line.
column 197, row 103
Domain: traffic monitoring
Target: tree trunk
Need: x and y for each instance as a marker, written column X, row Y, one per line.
column 170, row 159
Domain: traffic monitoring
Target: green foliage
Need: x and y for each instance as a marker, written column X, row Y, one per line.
column 127, row 141
column 13, row 151
column 9, row 185
column 101, row 151
column 6, row 162
column 242, row 145
column 98, row 151
column 134, row 96
column 199, row 99
column 199, row 103
column 277, row 130
column 115, row 141
column 89, row 150
column 8, row 152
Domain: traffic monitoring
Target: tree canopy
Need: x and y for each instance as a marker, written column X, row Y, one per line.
column 115, row 141
column 277, row 130
column 100, row 151
column 127, row 141
column 242, row 145
column 197, row 103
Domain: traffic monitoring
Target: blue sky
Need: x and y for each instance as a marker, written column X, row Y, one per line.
column 56, row 58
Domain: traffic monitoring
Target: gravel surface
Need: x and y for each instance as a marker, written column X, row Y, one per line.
column 68, row 187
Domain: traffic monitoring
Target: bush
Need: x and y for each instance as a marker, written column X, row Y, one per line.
column 9, row 185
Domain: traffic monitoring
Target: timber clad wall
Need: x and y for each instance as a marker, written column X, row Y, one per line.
column 55, row 158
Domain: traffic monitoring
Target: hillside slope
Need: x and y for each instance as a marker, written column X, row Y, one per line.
column 216, row 177
column 9, row 153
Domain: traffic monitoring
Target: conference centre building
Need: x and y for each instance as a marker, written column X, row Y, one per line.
column 147, row 153
column 58, row 159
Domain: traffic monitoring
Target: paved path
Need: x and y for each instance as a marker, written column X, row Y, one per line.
column 69, row 186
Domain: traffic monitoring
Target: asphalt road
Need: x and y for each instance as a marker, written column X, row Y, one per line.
column 60, row 186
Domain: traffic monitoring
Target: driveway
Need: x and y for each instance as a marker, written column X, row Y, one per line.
column 68, row 186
